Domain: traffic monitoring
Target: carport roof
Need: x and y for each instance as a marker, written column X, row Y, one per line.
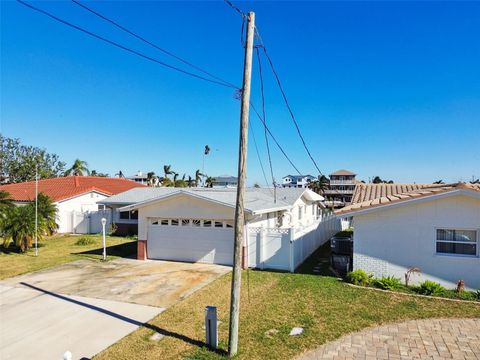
column 257, row 200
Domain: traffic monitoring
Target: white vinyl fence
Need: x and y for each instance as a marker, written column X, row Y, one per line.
column 83, row 222
column 287, row 248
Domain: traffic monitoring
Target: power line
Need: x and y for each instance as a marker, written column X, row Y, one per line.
column 169, row 53
column 123, row 47
column 262, row 45
column 229, row 3
column 262, row 92
column 275, row 140
column 258, row 154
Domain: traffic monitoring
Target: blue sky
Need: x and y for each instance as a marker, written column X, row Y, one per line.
column 380, row 88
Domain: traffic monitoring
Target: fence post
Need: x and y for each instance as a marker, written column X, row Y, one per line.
column 291, row 232
column 261, row 239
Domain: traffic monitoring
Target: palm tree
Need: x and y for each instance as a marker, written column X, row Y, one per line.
column 79, row 168
column 47, row 213
column 475, row 181
column 209, row 181
column 6, row 201
column 190, row 181
column 198, row 177
column 20, row 227
column 320, row 185
column 167, row 170
column 120, row 174
column 152, row 179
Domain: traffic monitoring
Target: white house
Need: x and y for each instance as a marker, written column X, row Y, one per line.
column 196, row 224
column 435, row 228
column 75, row 198
column 297, row 181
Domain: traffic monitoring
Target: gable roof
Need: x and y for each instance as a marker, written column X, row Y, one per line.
column 257, row 200
column 365, row 192
column 62, row 188
column 424, row 192
column 342, row 172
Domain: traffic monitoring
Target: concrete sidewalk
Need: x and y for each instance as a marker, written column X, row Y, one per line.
column 42, row 325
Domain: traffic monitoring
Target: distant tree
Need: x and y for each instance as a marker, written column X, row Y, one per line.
column 207, row 150
column 99, row 174
column 120, row 174
column 319, row 185
column 152, row 179
column 439, row 182
column 18, row 162
column 256, row 185
column 198, row 177
column 190, row 181
column 79, row 168
column 167, row 170
column 475, row 181
column 209, row 181
column 378, row 180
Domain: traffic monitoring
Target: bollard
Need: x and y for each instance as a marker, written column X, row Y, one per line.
column 211, row 331
column 67, row 355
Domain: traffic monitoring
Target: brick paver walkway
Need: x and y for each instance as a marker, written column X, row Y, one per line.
column 416, row 339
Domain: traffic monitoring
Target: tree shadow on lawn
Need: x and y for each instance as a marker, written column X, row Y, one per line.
column 12, row 249
column 161, row 331
column 126, row 250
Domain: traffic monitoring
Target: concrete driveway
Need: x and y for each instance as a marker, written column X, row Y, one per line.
column 86, row 306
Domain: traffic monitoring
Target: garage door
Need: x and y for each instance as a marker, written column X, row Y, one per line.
column 191, row 240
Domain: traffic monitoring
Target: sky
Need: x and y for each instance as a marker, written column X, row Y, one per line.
column 380, row 88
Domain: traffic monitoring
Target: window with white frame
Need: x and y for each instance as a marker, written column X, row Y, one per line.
column 456, row 242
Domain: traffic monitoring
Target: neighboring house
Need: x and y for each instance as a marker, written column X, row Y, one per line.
column 225, row 181
column 341, row 188
column 434, row 227
column 196, row 224
column 297, row 181
column 139, row 177
column 75, row 197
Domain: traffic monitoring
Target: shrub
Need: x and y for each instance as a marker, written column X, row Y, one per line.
column 387, row 283
column 85, row 240
column 476, row 295
column 359, row 277
column 429, row 287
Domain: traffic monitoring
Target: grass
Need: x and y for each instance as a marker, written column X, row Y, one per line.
column 61, row 249
column 272, row 304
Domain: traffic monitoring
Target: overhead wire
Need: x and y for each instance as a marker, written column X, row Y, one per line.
column 135, row 52
column 148, row 42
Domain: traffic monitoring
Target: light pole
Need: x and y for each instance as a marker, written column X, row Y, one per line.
column 36, row 210
column 104, row 222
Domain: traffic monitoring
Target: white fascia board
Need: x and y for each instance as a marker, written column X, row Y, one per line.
column 176, row 193
column 265, row 211
column 421, row 199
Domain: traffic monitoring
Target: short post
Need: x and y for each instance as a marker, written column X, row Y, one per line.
column 211, row 330
column 104, row 222
column 67, row 355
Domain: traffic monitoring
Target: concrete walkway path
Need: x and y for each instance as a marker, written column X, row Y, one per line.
column 416, row 339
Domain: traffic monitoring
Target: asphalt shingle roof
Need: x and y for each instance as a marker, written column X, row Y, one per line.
column 256, row 199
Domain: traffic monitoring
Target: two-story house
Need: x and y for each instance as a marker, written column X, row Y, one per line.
column 341, row 188
column 297, row 181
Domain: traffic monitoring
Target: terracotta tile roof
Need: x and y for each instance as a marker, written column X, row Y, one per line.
column 342, row 172
column 62, row 188
column 425, row 191
column 365, row 192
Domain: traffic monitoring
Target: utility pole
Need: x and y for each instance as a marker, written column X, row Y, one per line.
column 36, row 210
column 242, row 172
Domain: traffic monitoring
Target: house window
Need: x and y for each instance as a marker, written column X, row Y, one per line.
column 125, row 215
column 185, row 222
column 134, row 215
column 207, row 223
column 174, row 222
column 229, row 224
column 164, row 222
column 195, row 222
column 456, row 242
column 218, row 224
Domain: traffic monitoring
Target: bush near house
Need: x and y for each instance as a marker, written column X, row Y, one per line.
column 359, row 277
column 86, row 240
column 388, row 283
column 432, row 288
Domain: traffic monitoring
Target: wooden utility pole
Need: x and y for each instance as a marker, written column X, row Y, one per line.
column 242, row 172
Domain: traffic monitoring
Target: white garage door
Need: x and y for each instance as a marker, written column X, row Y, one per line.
column 190, row 240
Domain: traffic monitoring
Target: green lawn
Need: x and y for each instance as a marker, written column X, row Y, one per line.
column 61, row 249
column 273, row 303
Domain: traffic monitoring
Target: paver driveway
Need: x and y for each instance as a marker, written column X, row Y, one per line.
column 416, row 339
column 85, row 306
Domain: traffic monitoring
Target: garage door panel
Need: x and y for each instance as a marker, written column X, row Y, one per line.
column 192, row 244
